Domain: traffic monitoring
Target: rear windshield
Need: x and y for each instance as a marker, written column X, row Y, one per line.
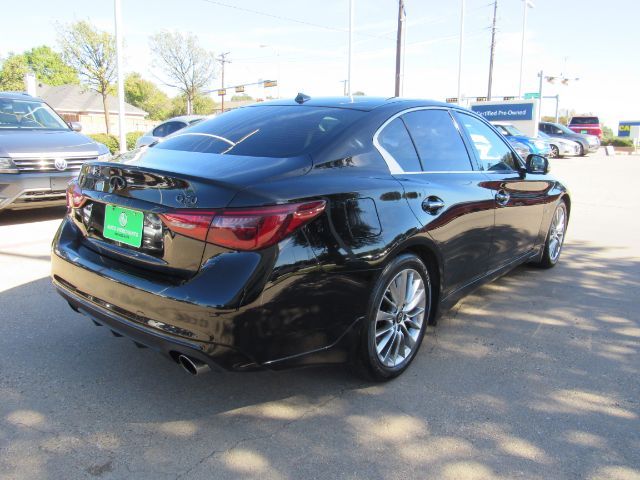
column 584, row 120
column 264, row 131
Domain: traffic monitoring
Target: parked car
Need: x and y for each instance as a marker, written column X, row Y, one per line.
column 535, row 145
column 292, row 233
column 586, row 125
column 560, row 147
column 167, row 128
column 588, row 143
column 39, row 153
column 520, row 148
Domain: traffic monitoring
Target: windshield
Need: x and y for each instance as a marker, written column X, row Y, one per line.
column 564, row 128
column 509, row 130
column 264, row 131
column 31, row 114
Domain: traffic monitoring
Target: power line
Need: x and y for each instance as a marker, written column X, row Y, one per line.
column 289, row 19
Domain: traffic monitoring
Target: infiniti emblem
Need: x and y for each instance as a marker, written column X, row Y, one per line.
column 60, row 164
column 117, row 183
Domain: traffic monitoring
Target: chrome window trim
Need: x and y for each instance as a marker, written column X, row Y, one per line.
column 394, row 166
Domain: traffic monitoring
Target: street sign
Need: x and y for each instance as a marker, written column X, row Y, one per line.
column 452, row 100
column 222, row 92
column 270, row 83
column 481, row 99
column 240, row 89
column 530, row 95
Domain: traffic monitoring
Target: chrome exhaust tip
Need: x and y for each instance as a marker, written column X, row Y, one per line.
column 192, row 366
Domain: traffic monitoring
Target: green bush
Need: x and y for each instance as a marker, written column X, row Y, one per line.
column 111, row 141
column 617, row 141
column 131, row 139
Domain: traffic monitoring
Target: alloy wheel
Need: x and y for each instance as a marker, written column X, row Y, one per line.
column 400, row 317
column 556, row 233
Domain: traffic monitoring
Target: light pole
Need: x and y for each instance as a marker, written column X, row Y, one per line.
column 526, row 5
column 401, row 21
column 351, row 7
column 119, row 65
column 460, row 51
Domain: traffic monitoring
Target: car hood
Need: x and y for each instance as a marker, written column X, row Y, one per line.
column 67, row 142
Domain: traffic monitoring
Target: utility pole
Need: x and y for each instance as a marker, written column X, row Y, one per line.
column 460, row 51
column 541, row 75
column 119, row 66
column 344, row 87
column 527, row 4
column 222, row 58
column 401, row 19
column 493, row 47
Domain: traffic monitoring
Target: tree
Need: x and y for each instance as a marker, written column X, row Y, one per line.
column 185, row 65
column 46, row 64
column 147, row 96
column 241, row 97
column 49, row 67
column 92, row 53
column 12, row 73
column 202, row 105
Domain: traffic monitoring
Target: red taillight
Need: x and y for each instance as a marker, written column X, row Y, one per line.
column 244, row 229
column 194, row 224
column 256, row 228
column 75, row 198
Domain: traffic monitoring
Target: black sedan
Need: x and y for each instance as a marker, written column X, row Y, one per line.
column 293, row 233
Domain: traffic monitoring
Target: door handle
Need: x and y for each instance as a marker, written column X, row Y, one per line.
column 432, row 205
column 502, row 197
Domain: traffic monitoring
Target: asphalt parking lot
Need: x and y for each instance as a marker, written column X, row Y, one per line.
column 534, row 376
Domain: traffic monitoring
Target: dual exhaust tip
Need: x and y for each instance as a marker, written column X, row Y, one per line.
column 192, row 366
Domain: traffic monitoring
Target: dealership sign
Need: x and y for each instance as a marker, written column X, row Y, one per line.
column 624, row 128
column 505, row 111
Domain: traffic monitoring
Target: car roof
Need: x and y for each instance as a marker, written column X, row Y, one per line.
column 358, row 102
column 18, row 96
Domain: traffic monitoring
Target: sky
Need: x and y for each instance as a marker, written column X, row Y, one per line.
column 303, row 45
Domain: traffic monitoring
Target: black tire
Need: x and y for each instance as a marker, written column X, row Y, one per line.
column 367, row 362
column 582, row 151
column 555, row 152
column 549, row 256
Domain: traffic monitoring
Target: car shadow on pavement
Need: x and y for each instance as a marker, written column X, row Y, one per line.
column 16, row 217
column 535, row 375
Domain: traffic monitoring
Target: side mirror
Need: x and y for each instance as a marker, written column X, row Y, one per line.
column 537, row 164
column 75, row 126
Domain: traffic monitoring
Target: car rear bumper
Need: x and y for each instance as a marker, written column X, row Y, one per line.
column 303, row 317
column 33, row 190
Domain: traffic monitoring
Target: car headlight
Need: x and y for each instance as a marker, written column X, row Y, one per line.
column 105, row 157
column 7, row 166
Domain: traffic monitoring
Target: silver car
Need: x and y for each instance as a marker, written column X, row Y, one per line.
column 167, row 128
column 560, row 147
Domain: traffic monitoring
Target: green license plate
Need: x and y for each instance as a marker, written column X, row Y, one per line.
column 123, row 225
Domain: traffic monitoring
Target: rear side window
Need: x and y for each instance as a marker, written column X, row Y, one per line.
column 584, row 120
column 265, row 131
column 494, row 154
column 395, row 139
column 437, row 140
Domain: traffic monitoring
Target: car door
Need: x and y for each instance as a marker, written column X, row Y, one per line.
column 429, row 157
column 519, row 199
